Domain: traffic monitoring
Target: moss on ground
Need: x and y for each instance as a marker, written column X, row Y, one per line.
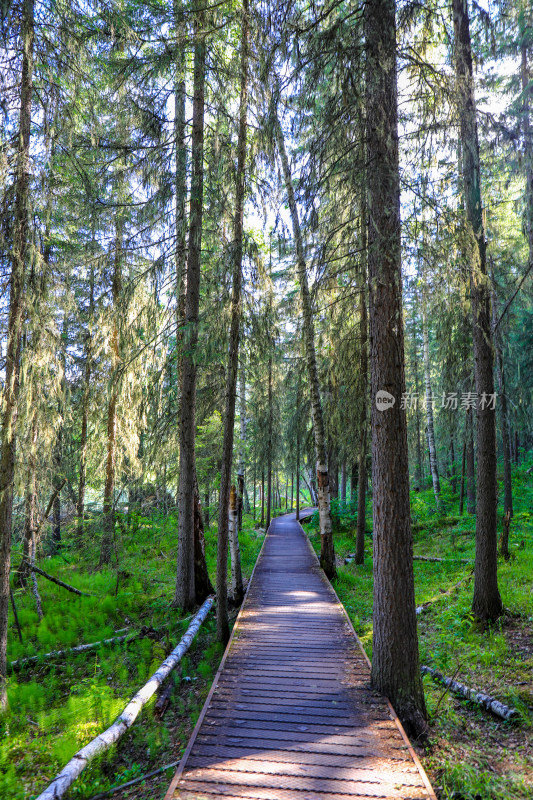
column 57, row 706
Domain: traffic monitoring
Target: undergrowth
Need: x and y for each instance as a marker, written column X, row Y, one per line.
column 472, row 755
column 56, row 706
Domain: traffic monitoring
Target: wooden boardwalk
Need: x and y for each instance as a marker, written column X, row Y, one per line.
column 291, row 715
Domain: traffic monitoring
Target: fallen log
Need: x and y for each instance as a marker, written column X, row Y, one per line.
column 433, row 558
column 163, row 700
column 351, row 556
column 66, row 586
column 484, row 700
column 429, row 603
column 115, row 789
column 81, row 648
column 103, row 741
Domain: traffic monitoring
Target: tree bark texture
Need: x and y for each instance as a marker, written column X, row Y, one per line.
column 395, row 663
column 202, row 583
column 453, row 470
column 462, row 490
column 297, row 475
column 269, row 442
column 527, row 94
column 14, row 328
column 327, row 552
column 233, row 363
column 433, row 464
column 242, row 444
column 470, row 464
column 80, row 506
column 486, row 603
column 504, row 418
column 237, row 590
column 419, row 468
column 185, row 595
column 109, row 487
column 363, row 420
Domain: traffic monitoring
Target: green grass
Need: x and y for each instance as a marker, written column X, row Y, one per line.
column 472, row 755
column 58, row 706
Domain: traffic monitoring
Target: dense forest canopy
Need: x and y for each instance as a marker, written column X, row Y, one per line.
column 258, row 253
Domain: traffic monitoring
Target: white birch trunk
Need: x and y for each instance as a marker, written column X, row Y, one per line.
column 103, row 741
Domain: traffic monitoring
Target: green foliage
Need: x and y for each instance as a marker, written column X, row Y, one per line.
column 496, row 659
column 58, row 705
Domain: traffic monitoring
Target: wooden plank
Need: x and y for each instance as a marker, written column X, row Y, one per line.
column 291, row 714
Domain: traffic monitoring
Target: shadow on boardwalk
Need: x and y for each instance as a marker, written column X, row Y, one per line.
column 291, row 715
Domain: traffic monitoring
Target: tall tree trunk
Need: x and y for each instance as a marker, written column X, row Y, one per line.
column 14, row 328
column 419, row 468
column 333, row 471
column 233, row 362
column 30, row 517
column 109, row 487
column 297, row 475
column 85, row 404
column 354, row 482
column 526, row 24
column 207, row 520
column 343, row 481
column 470, row 464
column 58, row 447
column 292, row 490
column 237, row 591
column 395, row 663
column 255, row 488
column 202, row 584
column 327, row 551
column 242, row 445
column 462, row 492
column 180, row 158
column 185, row 595
column 262, row 498
column 453, row 470
column 269, row 442
column 504, row 420
column 433, row 465
column 363, row 421
column 486, row 603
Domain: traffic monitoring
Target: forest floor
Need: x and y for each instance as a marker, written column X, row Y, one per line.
column 57, row 706
column 472, row 755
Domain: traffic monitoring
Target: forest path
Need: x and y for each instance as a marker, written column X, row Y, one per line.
column 290, row 714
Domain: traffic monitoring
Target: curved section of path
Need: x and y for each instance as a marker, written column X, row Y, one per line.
column 291, row 715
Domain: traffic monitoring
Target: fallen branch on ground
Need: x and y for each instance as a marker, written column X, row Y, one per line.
column 103, row 741
column 163, row 700
column 81, row 648
column 66, row 586
column 101, row 795
column 429, row 603
column 484, row 700
column 15, row 615
column 433, row 558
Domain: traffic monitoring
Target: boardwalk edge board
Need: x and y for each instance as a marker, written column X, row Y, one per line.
column 192, row 784
column 393, row 713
